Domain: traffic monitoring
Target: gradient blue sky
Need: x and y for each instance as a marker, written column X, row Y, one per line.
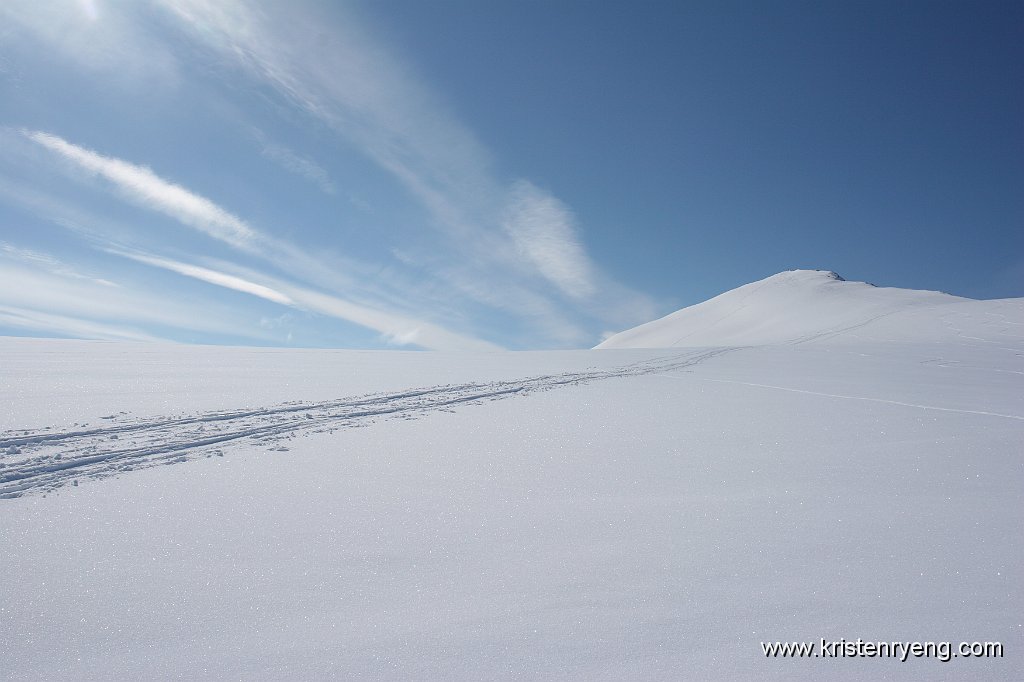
column 478, row 174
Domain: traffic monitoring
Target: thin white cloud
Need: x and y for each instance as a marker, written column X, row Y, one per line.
column 354, row 84
column 63, row 325
column 93, row 37
column 220, row 279
column 48, row 262
column 294, row 162
column 544, row 231
column 395, row 329
column 406, row 338
column 31, row 288
column 90, row 9
column 334, row 273
column 504, row 247
column 299, row 165
column 144, row 187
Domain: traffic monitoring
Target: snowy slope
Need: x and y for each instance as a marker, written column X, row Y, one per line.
column 802, row 306
column 178, row 512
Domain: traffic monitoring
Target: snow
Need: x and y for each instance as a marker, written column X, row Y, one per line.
column 813, row 306
column 623, row 514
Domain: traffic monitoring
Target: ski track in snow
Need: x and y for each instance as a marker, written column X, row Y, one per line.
column 43, row 460
column 856, row 397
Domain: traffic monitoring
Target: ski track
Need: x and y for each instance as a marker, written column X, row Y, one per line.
column 39, row 461
column 856, row 397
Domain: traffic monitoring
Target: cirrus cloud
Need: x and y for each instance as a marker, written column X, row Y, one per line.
column 142, row 186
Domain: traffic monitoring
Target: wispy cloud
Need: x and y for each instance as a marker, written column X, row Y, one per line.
column 499, row 258
column 395, row 329
column 220, row 279
column 352, row 82
column 62, row 325
column 544, row 231
column 94, row 37
column 142, row 186
column 29, row 288
column 48, row 262
column 294, row 162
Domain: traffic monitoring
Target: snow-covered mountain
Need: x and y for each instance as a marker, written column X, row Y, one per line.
column 803, row 306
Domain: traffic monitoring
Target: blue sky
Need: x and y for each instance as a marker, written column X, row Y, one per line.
column 466, row 175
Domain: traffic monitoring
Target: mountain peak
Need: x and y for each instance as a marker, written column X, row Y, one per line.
column 808, row 275
column 795, row 306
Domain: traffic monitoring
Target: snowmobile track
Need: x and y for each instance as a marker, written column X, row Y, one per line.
column 44, row 460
